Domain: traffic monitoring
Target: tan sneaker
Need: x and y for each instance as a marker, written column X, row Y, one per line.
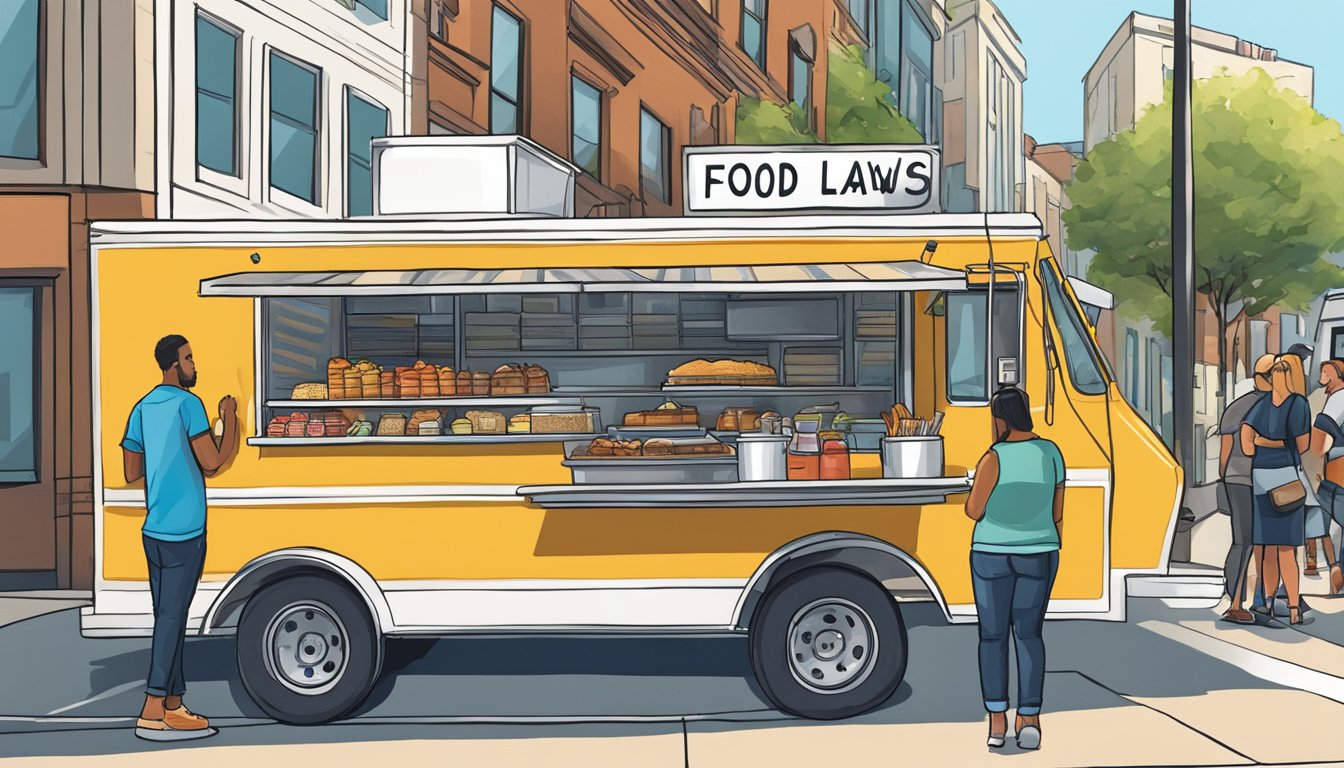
column 181, row 719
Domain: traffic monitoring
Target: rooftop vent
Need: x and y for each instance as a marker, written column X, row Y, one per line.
column 470, row 177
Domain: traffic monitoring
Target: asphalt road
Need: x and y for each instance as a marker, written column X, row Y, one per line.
column 62, row 694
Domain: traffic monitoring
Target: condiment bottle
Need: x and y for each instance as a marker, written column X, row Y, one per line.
column 834, row 460
column 804, row 466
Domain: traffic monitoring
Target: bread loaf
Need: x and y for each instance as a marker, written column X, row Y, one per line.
column 387, row 383
column 536, row 380
column 487, row 422
column 507, row 380
column 408, row 382
column 392, row 424
column 311, row 391
column 447, row 382
column 464, row 383
column 480, row 384
column 336, row 367
column 419, row 417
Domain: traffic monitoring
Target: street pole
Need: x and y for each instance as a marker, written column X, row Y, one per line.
column 1182, row 248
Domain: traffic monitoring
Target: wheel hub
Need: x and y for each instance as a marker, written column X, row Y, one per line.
column 306, row 648
column 832, row 645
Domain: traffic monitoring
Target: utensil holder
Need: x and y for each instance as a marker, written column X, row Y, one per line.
column 910, row 457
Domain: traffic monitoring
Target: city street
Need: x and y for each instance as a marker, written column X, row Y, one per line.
column 1169, row 687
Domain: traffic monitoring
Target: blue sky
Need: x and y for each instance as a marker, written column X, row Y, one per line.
column 1061, row 39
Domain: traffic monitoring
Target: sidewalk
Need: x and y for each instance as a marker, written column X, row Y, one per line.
column 21, row 606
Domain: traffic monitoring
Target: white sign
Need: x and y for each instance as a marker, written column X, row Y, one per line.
column 880, row 178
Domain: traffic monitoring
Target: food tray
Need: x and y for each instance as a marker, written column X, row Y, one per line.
column 644, row 433
column 689, row 417
column 758, row 380
column 653, row 469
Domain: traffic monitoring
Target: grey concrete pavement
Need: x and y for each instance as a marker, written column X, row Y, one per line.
column 1117, row 694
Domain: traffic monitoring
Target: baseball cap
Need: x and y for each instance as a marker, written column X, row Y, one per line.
column 1301, row 350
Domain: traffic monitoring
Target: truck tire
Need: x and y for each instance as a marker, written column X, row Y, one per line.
column 828, row 643
column 308, row 649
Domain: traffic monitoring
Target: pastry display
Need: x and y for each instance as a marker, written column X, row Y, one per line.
column 564, row 423
column 723, row 373
column 422, row 417
column 653, row 447
column 487, row 422
column 738, row 420
column 311, row 391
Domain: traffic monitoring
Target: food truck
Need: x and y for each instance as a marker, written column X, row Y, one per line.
column 473, row 413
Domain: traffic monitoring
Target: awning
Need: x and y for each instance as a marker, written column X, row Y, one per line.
column 857, row 276
column 1091, row 295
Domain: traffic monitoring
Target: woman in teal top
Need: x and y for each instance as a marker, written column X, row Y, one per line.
column 1017, row 503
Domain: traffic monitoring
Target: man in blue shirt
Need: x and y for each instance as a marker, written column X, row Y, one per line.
column 169, row 443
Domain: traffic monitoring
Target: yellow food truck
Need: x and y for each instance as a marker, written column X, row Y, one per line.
column 548, row 424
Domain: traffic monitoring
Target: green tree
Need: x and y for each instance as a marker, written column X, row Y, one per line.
column 858, row 110
column 1269, row 204
column 858, row 106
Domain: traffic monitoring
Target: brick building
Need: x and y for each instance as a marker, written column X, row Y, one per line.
column 619, row 87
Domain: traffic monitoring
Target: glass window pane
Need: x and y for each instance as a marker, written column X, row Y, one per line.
column 18, row 407
column 587, row 126
column 293, row 128
column 505, row 44
column 293, row 91
column 503, row 115
column 653, row 156
column 367, row 121
column 18, row 85
column 1079, row 349
column 966, row 346
column 799, row 76
column 918, row 39
column 216, row 118
column 379, row 7
column 753, row 40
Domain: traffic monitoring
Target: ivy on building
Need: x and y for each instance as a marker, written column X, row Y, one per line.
column 858, row 110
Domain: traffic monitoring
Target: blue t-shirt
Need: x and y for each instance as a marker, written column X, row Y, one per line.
column 1020, row 513
column 162, row 426
column 1287, row 421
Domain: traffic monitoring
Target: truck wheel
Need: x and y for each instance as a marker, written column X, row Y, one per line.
column 828, row 643
column 308, row 650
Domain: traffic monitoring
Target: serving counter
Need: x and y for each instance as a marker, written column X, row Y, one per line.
column 783, row 493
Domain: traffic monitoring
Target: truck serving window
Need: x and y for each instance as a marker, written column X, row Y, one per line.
column 1080, row 354
column 967, row 365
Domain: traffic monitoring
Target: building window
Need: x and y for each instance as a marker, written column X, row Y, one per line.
column 859, row 10
column 295, row 103
column 18, row 393
column 585, row 132
column 753, row 30
column 376, row 7
column 506, row 71
column 654, row 158
column 19, row 49
column 917, row 69
column 216, row 104
column 364, row 121
column 800, row 80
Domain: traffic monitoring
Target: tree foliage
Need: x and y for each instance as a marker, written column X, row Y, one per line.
column 858, row 106
column 1269, row 202
column 858, row 110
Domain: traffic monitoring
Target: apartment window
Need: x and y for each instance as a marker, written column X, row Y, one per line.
column 294, row 130
column 800, row 79
column 18, row 395
column 506, row 71
column 18, row 87
column 917, row 69
column 955, row 45
column 753, row 30
column 365, row 121
column 586, row 127
column 376, row 7
column 654, row 161
column 859, row 10
column 216, row 91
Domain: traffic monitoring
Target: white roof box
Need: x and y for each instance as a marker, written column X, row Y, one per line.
column 470, row 176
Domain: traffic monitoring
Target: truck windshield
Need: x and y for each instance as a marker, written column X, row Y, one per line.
column 1080, row 353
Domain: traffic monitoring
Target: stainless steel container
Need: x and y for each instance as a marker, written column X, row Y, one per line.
column 907, row 457
column 761, row 457
column 654, row 470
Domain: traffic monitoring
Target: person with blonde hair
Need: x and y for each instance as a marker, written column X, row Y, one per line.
column 1235, row 472
column 1276, row 434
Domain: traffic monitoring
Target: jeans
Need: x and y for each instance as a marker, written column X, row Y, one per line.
column 1012, row 590
column 1242, row 510
column 1332, row 503
column 174, row 570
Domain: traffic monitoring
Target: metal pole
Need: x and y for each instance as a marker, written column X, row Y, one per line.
column 1182, row 248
